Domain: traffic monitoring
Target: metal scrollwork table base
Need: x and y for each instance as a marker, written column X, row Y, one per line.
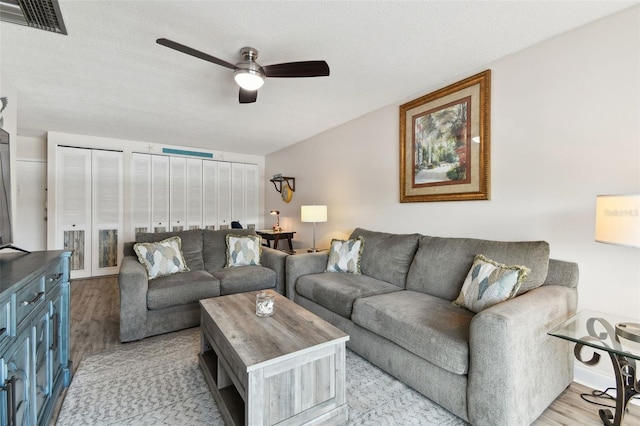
column 597, row 331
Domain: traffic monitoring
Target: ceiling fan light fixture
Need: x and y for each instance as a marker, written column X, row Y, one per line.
column 249, row 79
column 248, row 74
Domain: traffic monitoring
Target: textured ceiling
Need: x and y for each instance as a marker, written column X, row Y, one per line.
column 109, row 78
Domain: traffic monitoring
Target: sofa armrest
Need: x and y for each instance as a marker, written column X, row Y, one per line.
column 304, row 264
column 562, row 273
column 276, row 260
column 515, row 368
column 134, row 283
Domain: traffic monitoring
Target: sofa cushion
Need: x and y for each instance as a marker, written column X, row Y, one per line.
column 489, row 283
column 440, row 265
column 337, row 292
column 243, row 250
column 430, row 327
column 191, row 245
column 387, row 257
column 161, row 258
column 245, row 278
column 214, row 247
column 182, row 288
column 345, row 256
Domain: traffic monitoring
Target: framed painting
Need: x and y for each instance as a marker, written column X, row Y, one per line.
column 445, row 143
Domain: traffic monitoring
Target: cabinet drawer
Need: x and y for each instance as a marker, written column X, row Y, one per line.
column 53, row 276
column 29, row 298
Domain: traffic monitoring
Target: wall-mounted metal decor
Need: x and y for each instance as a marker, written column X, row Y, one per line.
column 285, row 185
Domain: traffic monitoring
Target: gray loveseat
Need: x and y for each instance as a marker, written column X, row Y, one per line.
column 170, row 303
column 496, row 367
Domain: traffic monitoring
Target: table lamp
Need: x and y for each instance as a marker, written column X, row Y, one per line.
column 276, row 227
column 618, row 222
column 313, row 214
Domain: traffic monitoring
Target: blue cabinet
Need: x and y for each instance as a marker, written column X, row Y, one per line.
column 41, row 356
column 56, row 335
column 34, row 335
column 17, row 396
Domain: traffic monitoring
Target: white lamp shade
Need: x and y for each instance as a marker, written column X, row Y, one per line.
column 618, row 219
column 313, row 213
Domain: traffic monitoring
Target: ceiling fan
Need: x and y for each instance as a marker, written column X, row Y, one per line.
column 249, row 74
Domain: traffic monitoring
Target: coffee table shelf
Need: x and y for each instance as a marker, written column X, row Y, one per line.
column 232, row 401
column 286, row 369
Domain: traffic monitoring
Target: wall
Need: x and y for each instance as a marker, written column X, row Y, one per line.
column 10, row 124
column 565, row 127
column 31, row 195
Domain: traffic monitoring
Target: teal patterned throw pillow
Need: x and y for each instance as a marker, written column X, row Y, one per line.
column 161, row 258
column 243, row 250
column 345, row 255
column 489, row 283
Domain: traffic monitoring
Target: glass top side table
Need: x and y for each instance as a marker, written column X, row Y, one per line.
column 598, row 331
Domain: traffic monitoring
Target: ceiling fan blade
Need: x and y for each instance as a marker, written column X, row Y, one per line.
column 298, row 69
column 247, row 96
column 193, row 52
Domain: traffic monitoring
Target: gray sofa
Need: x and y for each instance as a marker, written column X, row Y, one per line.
column 170, row 303
column 496, row 367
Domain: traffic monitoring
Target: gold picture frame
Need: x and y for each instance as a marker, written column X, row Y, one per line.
column 445, row 143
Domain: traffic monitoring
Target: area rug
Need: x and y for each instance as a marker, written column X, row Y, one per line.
column 158, row 382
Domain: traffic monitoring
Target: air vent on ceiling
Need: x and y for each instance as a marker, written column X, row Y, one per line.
column 41, row 14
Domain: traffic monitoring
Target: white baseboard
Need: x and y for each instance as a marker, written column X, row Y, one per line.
column 591, row 378
column 596, row 380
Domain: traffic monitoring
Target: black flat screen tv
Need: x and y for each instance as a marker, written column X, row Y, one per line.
column 6, row 228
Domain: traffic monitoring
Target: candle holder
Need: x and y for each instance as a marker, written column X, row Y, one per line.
column 265, row 304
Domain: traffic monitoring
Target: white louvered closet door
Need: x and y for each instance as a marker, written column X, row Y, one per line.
column 140, row 193
column 177, row 193
column 210, row 194
column 194, row 193
column 73, row 204
column 224, row 195
column 237, row 193
column 250, row 196
column 159, row 193
column 107, row 212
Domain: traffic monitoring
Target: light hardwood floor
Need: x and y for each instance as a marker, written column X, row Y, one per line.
column 95, row 323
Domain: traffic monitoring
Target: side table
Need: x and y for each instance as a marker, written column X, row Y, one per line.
column 276, row 236
column 597, row 330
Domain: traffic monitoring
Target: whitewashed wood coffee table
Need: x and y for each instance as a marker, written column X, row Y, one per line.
column 287, row 369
